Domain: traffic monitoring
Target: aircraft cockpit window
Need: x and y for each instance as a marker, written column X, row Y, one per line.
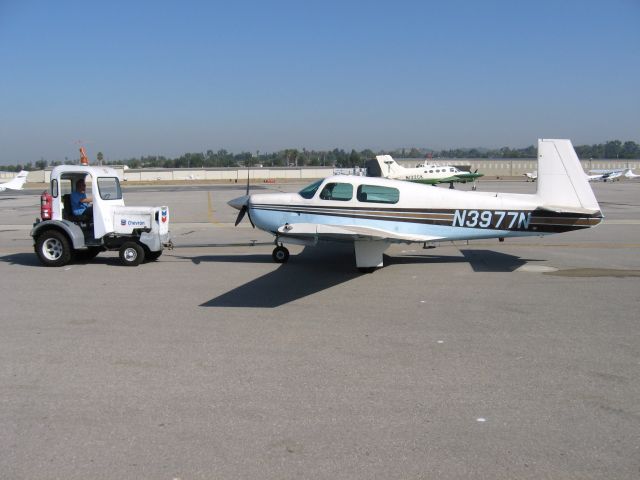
column 452, row 170
column 310, row 190
column 378, row 194
column 337, row 191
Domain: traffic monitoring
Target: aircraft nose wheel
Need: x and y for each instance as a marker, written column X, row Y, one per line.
column 280, row 254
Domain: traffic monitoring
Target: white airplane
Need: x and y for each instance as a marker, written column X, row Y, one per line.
column 373, row 213
column 431, row 174
column 596, row 177
column 15, row 183
column 533, row 176
column 629, row 174
column 606, row 174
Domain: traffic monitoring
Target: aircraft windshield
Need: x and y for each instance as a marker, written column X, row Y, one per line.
column 310, row 190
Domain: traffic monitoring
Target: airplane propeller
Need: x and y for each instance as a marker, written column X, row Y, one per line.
column 244, row 209
column 242, row 204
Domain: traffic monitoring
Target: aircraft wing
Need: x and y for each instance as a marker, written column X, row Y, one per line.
column 319, row 231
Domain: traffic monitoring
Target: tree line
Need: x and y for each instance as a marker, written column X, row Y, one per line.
column 292, row 157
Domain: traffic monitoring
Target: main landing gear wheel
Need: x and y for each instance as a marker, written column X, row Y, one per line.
column 131, row 254
column 280, row 254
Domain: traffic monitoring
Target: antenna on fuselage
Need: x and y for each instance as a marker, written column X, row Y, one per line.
column 388, row 162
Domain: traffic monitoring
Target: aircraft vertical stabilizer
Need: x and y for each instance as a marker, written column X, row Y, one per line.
column 562, row 184
column 389, row 166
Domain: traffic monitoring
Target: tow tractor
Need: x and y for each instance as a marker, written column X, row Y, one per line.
column 138, row 233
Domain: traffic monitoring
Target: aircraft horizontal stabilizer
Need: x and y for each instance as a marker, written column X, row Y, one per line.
column 560, row 209
column 349, row 232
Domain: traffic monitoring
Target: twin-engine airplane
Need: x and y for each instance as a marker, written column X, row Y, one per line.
column 430, row 174
column 15, row 183
column 373, row 213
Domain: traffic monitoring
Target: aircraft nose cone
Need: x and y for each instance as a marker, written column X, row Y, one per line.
column 239, row 202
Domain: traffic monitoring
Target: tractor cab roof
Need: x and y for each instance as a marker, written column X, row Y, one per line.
column 79, row 170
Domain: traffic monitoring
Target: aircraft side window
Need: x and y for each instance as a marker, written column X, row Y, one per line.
column 337, row 191
column 378, row 194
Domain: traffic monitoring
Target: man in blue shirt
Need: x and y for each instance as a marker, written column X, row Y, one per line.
column 80, row 203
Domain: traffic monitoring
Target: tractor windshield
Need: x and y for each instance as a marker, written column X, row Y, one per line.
column 109, row 188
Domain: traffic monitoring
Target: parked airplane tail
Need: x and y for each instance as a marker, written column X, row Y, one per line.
column 16, row 183
column 562, row 184
column 387, row 166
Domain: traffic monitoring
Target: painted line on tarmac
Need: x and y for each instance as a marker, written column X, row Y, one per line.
column 211, row 210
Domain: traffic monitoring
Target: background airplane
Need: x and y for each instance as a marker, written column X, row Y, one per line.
column 385, row 166
column 15, row 183
column 606, row 174
column 597, row 177
column 373, row 213
column 629, row 174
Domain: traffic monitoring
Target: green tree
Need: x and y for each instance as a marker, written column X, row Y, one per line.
column 630, row 150
column 613, row 149
column 354, row 159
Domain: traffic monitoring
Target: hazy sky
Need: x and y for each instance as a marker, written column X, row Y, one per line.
column 131, row 78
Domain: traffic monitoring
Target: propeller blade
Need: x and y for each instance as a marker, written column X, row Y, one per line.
column 250, row 219
column 240, row 216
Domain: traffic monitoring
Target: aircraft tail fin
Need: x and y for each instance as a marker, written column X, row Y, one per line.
column 389, row 168
column 16, row 182
column 562, row 184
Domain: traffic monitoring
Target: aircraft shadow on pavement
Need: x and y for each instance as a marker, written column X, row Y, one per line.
column 311, row 271
column 479, row 260
column 490, row 261
column 316, row 269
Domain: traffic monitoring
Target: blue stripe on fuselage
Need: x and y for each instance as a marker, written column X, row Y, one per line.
column 271, row 220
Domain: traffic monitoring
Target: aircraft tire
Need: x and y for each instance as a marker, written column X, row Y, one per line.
column 280, row 254
column 131, row 254
column 53, row 248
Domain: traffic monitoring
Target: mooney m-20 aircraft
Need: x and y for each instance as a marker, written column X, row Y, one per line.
column 15, row 183
column 385, row 166
column 373, row 213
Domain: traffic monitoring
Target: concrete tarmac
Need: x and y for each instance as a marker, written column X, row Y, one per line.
column 483, row 360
